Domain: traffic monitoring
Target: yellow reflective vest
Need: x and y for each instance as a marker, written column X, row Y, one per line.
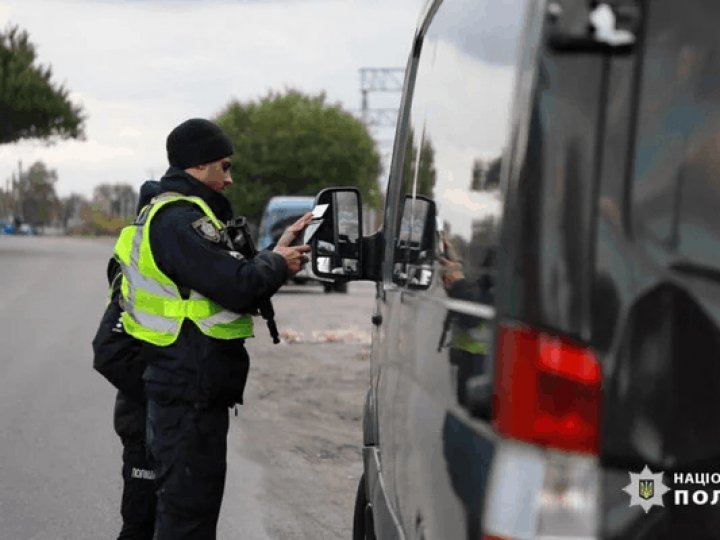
column 153, row 308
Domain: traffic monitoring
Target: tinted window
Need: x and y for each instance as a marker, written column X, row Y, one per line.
column 458, row 129
column 676, row 189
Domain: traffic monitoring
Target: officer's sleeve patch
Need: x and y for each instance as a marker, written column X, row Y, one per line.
column 205, row 228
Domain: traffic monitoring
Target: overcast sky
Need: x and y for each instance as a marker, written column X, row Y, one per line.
column 139, row 67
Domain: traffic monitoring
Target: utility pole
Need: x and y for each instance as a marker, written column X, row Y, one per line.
column 19, row 214
column 9, row 198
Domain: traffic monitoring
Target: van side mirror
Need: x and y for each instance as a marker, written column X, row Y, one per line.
column 337, row 242
column 414, row 252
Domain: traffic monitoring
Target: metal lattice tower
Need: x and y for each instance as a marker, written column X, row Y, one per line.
column 379, row 80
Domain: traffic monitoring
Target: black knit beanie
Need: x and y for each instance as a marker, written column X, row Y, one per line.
column 195, row 142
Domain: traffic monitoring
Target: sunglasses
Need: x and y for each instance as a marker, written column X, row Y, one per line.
column 225, row 166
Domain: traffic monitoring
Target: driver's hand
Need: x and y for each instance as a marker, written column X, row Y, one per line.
column 294, row 257
column 451, row 253
column 450, row 272
column 293, row 230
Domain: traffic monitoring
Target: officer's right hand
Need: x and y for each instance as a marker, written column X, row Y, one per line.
column 293, row 256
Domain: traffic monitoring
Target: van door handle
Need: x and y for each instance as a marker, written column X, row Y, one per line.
column 376, row 319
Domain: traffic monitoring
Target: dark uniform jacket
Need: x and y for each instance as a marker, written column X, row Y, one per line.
column 197, row 368
column 118, row 356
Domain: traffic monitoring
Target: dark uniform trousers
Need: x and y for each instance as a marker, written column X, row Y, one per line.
column 138, row 498
column 188, row 443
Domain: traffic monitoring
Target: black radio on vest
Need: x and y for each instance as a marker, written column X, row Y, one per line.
column 241, row 239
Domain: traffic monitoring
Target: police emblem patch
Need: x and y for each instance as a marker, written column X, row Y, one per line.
column 206, row 229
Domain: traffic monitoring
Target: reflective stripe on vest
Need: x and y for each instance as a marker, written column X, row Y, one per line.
column 154, row 309
column 473, row 340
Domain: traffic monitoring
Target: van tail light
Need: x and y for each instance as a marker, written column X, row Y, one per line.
column 544, row 480
column 547, row 390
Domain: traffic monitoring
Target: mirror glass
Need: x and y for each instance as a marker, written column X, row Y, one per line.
column 337, row 242
column 348, row 216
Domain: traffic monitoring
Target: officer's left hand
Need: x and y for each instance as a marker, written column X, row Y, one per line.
column 293, row 230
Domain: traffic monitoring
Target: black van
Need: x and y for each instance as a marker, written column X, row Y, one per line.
column 548, row 276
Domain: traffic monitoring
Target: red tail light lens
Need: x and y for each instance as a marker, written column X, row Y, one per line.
column 547, row 390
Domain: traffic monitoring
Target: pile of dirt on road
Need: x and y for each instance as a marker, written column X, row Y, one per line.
column 304, row 407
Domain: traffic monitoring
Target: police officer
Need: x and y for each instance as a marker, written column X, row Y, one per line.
column 188, row 295
column 119, row 358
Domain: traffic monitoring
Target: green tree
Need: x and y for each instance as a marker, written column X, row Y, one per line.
column 296, row 144
column 37, row 202
column 31, row 105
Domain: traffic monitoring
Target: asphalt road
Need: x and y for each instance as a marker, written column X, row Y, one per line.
column 293, row 450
